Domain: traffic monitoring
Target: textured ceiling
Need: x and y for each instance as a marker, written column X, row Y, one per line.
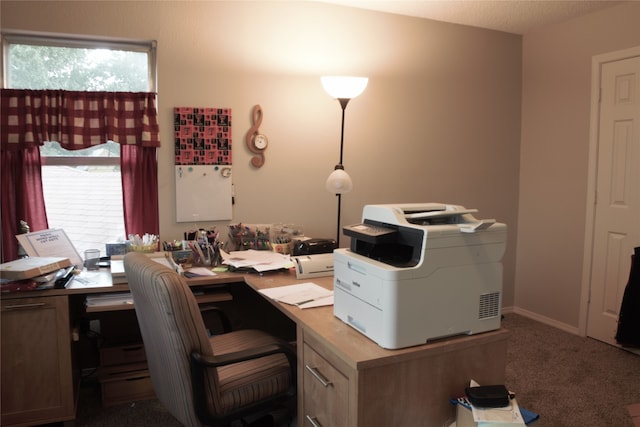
column 512, row 16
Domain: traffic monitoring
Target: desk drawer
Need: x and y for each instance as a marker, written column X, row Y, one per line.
column 122, row 355
column 125, row 383
column 326, row 392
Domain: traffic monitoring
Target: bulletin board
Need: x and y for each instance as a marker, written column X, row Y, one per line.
column 203, row 154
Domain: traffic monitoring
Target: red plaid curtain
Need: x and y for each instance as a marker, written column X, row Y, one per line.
column 29, row 118
column 77, row 119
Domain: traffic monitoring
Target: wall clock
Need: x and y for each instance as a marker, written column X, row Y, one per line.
column 257, row 142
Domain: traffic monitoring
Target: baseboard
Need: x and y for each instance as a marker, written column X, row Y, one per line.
column 633, row 350
column 542, row 319
column 507, row 310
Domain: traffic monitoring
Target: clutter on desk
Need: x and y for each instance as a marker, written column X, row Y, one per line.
column 117, row 248
column 254, row 260
column 117, row 271
column 28, row 268
column 249, row 236
column 147, row 243
column 24, row 285
column 284, row 236
column 263, row 237
column 199, row 248
column 36, row 273
column 52, row 242
column 118, row 275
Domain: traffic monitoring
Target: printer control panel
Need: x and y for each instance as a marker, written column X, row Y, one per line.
column 371, row 233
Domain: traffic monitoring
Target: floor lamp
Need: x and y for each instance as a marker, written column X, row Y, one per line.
column 343, row 89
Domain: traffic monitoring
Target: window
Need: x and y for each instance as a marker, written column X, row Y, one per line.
column 37, row 62
column 82, row 188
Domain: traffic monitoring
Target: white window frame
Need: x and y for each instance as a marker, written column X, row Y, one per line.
column 58, row 40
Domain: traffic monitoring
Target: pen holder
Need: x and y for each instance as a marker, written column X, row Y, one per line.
column 282, row 237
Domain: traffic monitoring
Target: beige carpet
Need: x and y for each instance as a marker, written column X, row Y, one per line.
column 569, row 380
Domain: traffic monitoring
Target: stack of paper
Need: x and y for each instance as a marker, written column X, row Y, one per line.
column 116, row 298
column 27, row 268
column 257, row 260
column 303, row 295
column 117, row 272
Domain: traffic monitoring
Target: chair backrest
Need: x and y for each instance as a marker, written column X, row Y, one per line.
column 171, row 327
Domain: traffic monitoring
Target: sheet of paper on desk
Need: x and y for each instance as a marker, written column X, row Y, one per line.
column 303, row 295
column 258, row 260
column 200, row 271
column 91, row 279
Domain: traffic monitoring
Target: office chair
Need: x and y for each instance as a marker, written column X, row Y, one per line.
column 204, row 380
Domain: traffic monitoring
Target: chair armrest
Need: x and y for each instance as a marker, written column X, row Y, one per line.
column 222, row 316
column 202, row 361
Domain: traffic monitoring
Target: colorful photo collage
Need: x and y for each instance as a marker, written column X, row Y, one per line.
column 202, row 136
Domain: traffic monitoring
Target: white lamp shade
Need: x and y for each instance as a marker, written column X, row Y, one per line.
column 339, row 182
column 344, row 87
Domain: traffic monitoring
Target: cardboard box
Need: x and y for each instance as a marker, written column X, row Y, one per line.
column 28, row 268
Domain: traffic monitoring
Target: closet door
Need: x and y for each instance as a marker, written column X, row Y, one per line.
column 616, row 229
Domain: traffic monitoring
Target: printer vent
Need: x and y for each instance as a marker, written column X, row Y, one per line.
column 489, row 305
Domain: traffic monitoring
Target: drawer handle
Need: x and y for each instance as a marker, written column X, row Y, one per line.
column 356, row 268
column 343, row 285
column 10, row 307
column 325, row 382
column 313, row 421
column 144, row 377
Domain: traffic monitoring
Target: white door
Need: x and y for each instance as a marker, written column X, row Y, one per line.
column 616, row 226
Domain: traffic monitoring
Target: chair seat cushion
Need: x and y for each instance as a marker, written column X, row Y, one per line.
column 246, row 382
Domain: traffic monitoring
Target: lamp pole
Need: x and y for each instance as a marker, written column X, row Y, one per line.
column 343, row 104
column 343, row 89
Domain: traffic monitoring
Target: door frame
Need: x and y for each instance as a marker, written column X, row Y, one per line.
column 594, row 127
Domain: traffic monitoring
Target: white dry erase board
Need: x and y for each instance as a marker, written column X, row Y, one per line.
column 203, row 193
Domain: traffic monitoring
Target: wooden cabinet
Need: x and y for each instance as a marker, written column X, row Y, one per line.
column 326, row 392
column 366, row 385
column 36, row 365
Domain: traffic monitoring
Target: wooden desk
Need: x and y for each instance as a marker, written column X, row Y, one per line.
column 40, row 378
column 344, row 378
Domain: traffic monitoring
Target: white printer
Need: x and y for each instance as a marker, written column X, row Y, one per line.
column 419, row 272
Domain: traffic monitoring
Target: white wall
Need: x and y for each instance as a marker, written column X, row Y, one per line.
column 439, row 121
column 554, row 157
